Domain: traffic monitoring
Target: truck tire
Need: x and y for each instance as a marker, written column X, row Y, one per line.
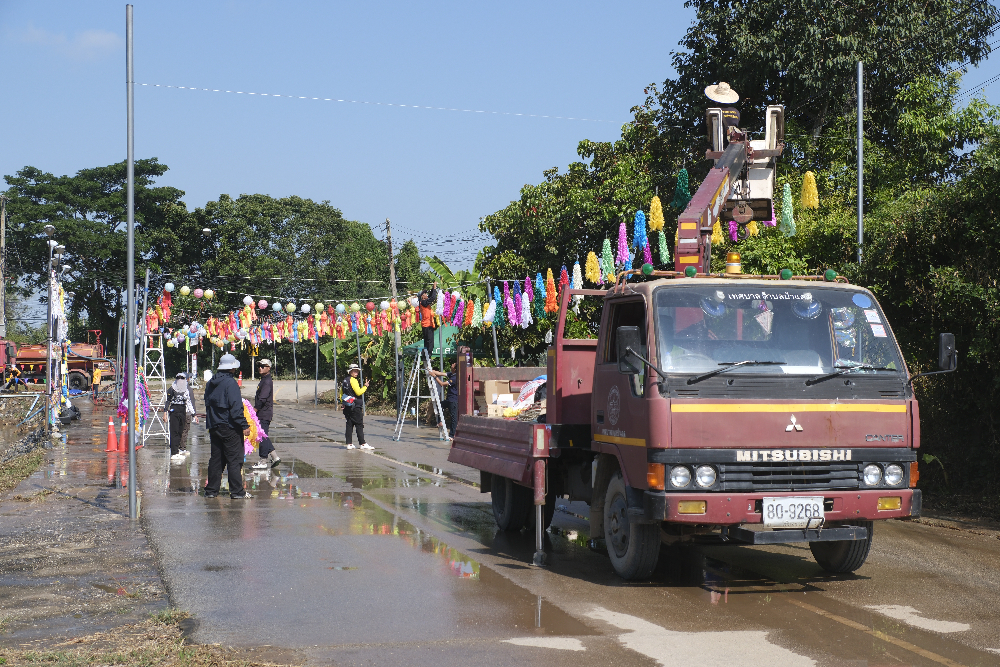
column 634, row 547
column 77, row 380
column 844, row 556
column 511, row 503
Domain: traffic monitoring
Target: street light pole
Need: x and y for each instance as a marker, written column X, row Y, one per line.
column 49, row 231
column 130, row 321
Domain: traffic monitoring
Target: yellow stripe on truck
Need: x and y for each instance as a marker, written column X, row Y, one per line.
column 615, row 440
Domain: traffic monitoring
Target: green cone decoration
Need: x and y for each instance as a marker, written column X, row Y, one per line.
column 664, row 251
column 682, row 195
column 787, row 225
column 607, row 261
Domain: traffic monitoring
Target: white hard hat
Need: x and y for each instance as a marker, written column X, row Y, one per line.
column 228, row 363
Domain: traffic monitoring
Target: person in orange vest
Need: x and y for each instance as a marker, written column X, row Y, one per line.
column 427, row 301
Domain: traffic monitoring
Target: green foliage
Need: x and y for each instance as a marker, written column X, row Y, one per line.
column 466, row 282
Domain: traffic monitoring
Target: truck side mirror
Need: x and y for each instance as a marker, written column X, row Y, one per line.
column 625, row 338
column 947, row 355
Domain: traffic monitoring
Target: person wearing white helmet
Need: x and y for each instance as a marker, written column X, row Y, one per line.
column 226, row 428
column 354, row 409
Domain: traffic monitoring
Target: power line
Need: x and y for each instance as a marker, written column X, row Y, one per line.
column 382, row 104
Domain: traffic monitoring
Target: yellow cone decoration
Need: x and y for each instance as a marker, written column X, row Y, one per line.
column 593, row 269
column 656, row 215
column 717, row 238
column 810, row 195
column 752, row 228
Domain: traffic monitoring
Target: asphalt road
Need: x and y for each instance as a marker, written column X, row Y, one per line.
column 393, row 558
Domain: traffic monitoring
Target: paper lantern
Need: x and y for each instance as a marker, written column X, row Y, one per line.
column 355, row 307
column 209, row 294
column 241, row 334
column 276, row 307
column 262, row 304
column 414, row 301
column 185, row 290
column 193, row 326
column 169, row 287
column 170, row 342
column 289, row 307
column 247, row 300
column 192, row 334
column 305, row 308
column 341, row 308
column 198, row 293
column 319, row 307
column 370, row 306
column 384, row 305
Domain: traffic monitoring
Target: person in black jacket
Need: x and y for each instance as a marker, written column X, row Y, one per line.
column 263, row 403
column 226, row 428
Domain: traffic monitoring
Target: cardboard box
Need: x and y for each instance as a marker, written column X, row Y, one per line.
column 493, row 388
column 494, row 411
column 505, row 400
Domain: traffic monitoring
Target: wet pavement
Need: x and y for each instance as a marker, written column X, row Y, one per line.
column 393, row 558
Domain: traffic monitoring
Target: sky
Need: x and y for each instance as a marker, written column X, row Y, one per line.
column 433, row 172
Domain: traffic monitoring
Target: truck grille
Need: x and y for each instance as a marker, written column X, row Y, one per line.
column 765, row 476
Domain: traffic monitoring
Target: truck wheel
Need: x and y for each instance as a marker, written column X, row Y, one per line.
column 843, row 555
column 634, row 547
column 511, row 503
column 77, row 380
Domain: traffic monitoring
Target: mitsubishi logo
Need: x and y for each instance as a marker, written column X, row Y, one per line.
column 793, row 426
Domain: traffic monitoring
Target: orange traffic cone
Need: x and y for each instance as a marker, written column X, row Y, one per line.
column 239, row 380
column 112, row 439
column 123, row 440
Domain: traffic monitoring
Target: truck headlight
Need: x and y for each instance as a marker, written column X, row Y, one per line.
column 680, row 476
column 872, row 474
column 704, row 476
column 893, row 474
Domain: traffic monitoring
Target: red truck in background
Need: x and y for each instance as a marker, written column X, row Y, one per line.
column 753, row 409
column 82, row 359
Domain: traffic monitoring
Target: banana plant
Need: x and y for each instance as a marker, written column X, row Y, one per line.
column 467, row 282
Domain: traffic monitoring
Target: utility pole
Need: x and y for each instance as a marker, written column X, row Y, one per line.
column 395, row 331
column 3, row 266
column 130, row 318
column 861, row 159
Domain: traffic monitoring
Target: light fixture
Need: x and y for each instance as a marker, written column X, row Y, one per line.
column 49, row 230
column 206, row 231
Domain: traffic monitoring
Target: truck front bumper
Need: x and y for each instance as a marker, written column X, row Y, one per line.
column 732, row 509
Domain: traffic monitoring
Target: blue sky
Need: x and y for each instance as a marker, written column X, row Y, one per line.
column 432, row 171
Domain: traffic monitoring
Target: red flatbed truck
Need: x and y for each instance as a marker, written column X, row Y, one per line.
column 782, row 411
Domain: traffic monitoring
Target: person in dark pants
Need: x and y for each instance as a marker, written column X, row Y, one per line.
column 226, row 428
column 191, row 417
column 450, row 404
column 354, row 409
column 181, row 410
column 263, row 403
column 427, row 301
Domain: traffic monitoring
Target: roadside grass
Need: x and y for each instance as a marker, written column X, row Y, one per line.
column 157, row 641
column 19, row 468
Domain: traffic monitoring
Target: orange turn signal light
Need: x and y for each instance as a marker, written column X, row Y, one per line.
column 692, row 507
column 914, row 474
column 655, row 473
column 890, row 503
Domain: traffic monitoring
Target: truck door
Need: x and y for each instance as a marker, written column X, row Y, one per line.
column 621, row 417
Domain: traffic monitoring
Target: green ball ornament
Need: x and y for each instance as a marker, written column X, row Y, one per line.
column 830, row 275
column 647, row 269
column 786, row 274
column 690, row 272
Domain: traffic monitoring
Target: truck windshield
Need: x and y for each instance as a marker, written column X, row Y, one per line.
column 799, row 330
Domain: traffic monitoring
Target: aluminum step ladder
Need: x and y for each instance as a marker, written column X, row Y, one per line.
column 413, row 393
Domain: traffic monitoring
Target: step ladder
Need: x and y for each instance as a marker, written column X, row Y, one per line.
column 413, row 393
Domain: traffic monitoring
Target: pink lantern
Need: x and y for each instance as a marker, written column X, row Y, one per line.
column 198, row 293
column 262, row 304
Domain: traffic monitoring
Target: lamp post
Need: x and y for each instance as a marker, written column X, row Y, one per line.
column 49, row 231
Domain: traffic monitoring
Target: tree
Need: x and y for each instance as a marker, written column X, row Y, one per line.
column 88, row 212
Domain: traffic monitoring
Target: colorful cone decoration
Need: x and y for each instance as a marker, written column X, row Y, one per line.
column 477, row 314
column 563, row 278
column 734, row 229
column 519, row 302
column 810, row 195
column 682, row 195
column 438, row 307
column 752, row 228
column 621, row 259
column 593, row 268
column 717, row 237
column 647, row 254
column 550, row 293
column 639, row 239
column 656, row 221
column 578, row 274
column 664, row 251
column 607, row 262
column 787, row 225
column 529, row 291
column 526, row 314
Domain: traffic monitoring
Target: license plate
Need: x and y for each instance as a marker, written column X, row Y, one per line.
column 793, row 512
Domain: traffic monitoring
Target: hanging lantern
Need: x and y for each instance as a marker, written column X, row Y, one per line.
column 414, row 301
column 247, row 300
column 319, row 307
column 355, row 307
column 198, row 293
column 241, row 334
column 169, row 287
column 185, row 290
column 262, row 304
column 370, row 306
column 209, row 294
column 289, row 307
column 341, row 309
column 276, row 307
column 192, row 334
column 170, row 342
column 384, row 305
column 305, row 308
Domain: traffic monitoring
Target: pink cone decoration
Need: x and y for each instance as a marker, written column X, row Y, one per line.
column 529, row 291
column 647, row 255
column 622, row 257
column 733, row 228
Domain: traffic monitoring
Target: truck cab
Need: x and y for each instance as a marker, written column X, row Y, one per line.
column 738, row 409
